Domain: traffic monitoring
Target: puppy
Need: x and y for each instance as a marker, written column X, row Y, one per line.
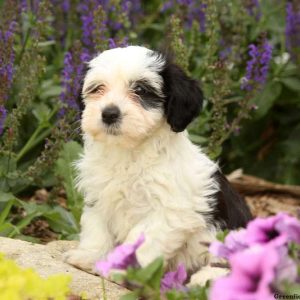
column 139, row 172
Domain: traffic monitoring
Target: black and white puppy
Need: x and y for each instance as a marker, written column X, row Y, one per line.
column 139, row 172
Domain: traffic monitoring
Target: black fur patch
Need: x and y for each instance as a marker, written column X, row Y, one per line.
column 229, row 209
column 148, row 95
column 183, row 97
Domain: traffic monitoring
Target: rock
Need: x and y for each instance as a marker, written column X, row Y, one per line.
column 47, row 260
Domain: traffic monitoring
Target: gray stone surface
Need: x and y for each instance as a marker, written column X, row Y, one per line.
column 47, row 260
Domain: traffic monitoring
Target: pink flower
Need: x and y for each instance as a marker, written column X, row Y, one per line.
column 286, row 269
column 291, row 226
column 174, row 280
column 234, row 242
column 277, row 230
column 122, row 257
column 253, row 271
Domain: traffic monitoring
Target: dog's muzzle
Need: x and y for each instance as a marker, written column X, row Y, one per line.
column 111, row 115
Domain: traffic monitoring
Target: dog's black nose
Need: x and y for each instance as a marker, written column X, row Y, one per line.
column 110, row 114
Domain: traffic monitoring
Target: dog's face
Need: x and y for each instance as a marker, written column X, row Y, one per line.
column 130, row 92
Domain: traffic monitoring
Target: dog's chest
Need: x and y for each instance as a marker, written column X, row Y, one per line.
column 133, row 186
column 126, row 191
column 125, row 194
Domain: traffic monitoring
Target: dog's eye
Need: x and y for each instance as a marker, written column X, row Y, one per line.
column 139, row 90
column 97, row 89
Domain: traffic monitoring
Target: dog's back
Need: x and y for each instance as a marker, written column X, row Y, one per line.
column 230, row 209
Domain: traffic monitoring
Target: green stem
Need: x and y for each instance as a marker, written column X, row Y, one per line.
column 36, row 137
column 30, row 142
column 19, row 58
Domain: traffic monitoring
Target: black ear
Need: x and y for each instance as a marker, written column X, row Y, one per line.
column 183, row 97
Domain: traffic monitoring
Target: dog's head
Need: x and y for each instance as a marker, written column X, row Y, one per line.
column 130, row 92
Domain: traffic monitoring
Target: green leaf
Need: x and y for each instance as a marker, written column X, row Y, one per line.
column 7, row 164
column 42, row 113
column 7, row 200
column 152, row 273
column 221, row 235
column 33, row 208
column 23, row 223
column 46, row 43
column 266, row 99
column 51, row 92
column 65, row 170
column 130, row 296
column 5, row 197
column 6, row 229
column 61, row 220
column 5, row 212
column 197, row 139
column 292, row 83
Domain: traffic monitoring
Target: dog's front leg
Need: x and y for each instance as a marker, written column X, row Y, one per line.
column 95, row 241
column 161, row 239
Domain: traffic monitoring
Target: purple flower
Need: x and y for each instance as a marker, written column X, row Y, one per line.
column 286, row 270
column 225, row 52
column 253, row 271
column 115, row 22
column 65, row 5
column 114, row 44
column 174, row 280
column 292, row 30
column 258, row 65
column 193, row 10
column 7, row 58
column 132, row 8
column 32, row 5
column 71, row 78
column 277, row 230
column 122, row 257
column 234, row 242
column 87, row 9
column 3, row 114
column 253, row 8
column 87, row 18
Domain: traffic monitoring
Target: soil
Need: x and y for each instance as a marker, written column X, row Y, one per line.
column 266, row 198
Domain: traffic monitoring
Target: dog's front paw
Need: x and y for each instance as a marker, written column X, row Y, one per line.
column 83, row 259
column 205, row 274
column 146, row 255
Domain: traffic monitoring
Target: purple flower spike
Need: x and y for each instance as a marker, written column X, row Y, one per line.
column 253, row 8
column 112, row 44
column 7, row 59
column 3, row 114
column 119, row 43
column 71, row 79
column 122, row 257
column 174, row 280
column 277, row 230
column 195, row 11
column 253, row 271
column 234, row 242
column 258, row 65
